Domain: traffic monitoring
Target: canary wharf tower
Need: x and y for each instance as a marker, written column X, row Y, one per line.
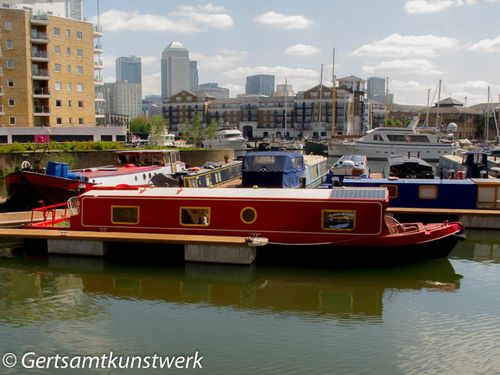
column 174, row 70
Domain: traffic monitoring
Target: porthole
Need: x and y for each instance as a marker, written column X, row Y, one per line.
column 248, row 215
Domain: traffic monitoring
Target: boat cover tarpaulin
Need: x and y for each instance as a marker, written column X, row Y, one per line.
column 262, row 168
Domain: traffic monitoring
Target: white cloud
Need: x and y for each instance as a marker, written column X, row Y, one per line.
column 282, row 21
column 412, row 66
column 187, row 19
column 396, row 45
column 487, row 45
column 221, row 60
column 147, row 61
column 434, row 6
column 301, row 50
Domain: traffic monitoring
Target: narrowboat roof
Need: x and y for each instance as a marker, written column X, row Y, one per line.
column 273, row 153
column 145, row 151
column 406, row 181
column 368, row 193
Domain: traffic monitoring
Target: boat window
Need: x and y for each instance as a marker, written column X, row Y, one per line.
column 248, row 215
column 392, row 189
column 195, row 216
column 428, row 192
column 419, row 138
column 125, row 214
column 377, row 137
column 338, row 220
column 396, row 137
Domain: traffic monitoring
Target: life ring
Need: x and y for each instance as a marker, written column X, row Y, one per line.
column 25, row 165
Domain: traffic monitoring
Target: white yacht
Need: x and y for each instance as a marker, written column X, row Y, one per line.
column 382, row 142
column 227, row 138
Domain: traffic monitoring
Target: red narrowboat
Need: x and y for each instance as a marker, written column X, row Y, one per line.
column 341, row 222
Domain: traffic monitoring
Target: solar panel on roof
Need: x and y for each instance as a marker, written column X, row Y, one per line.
column 374, row 193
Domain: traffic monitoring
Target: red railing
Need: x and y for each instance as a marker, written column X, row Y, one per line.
column 50, row 215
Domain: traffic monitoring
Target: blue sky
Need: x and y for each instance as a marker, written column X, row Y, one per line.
column 413, row 42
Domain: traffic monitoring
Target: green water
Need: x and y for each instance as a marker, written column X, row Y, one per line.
column 437, row 317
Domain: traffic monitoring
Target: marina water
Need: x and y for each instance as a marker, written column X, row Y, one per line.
column 435, row 317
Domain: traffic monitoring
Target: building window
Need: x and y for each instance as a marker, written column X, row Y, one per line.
column 57, row 31
column 9, row 44
column 79, row 35
column 58, row 103
column 80, row 120
column 57, row 85
column 79, row 52
column 80, row 104
column 8, row 26
column 58, row 120
column 68, row 51
column 57, row 50
column 12, row 120
column 68, row 68
column 70, row 120
column 79, row 87
column 68, row 33
column 195, row 216
column 10, row 64
column 69, row 86
column 57, row 67
column 12, row 102
column 79, row 69
column 10, row 83
column 69, row 103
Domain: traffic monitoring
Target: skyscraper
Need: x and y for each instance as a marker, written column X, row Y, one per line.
column 193, row 76
column 61, row 8
column 262, row 84
column 175, row 70
column 128, row 69
column 376, row 86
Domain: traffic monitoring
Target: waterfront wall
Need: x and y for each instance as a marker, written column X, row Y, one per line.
column 84, row 159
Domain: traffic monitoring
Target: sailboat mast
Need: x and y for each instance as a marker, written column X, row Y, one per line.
column 428, row 103
column 487, row 119
column 286, row 105
column 439, row 99
column 332, row 132
column 320, row 93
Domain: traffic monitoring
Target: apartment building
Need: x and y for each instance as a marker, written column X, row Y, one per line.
column 47, row 70
column 46, row 77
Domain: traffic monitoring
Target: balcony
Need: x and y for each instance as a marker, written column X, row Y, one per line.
column 40, row 74
column 39, row 37
column 39, row 56
column 97, row 29
column 99, row 97
column 98, row 48
column 98, row 81
column 98, row 65
column 41, row 110
column 41, row 92
column 40, row 19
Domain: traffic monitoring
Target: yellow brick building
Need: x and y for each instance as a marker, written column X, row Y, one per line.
column 47, row 70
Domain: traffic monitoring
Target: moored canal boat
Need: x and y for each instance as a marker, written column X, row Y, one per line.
column 333, row 221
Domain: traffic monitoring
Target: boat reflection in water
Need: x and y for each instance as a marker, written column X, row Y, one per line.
column 73, row 283
column 481, row 246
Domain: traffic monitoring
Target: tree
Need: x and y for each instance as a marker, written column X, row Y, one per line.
column 139, row 125
column 158, row 126
column 211, row 129
column 194, row 132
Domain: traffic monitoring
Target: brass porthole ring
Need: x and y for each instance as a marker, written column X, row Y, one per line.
column 248, row 215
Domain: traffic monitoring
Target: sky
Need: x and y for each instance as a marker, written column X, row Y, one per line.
column 414, row 43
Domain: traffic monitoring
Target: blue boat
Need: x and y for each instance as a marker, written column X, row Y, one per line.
column 283, row 169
